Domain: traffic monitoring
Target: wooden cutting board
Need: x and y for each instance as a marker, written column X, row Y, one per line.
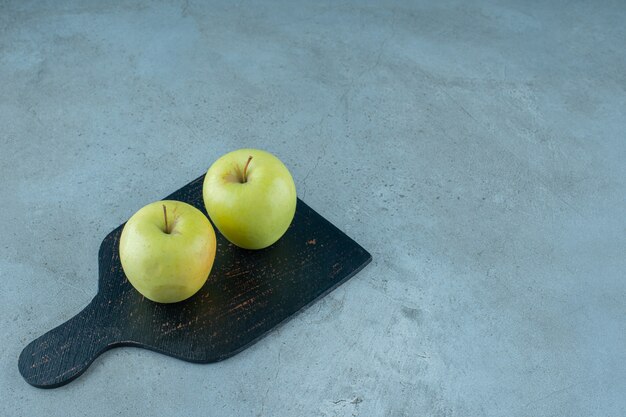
column 248, row 293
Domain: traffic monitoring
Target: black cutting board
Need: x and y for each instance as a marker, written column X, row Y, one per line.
column 248, row 293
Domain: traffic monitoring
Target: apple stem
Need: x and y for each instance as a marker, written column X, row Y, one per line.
column 167, row 229
column 245, row 169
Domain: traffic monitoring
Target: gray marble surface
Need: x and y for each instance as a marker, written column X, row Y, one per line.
column 476, row 149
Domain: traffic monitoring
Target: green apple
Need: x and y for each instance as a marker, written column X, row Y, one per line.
column 250, row 197
column 167, row 250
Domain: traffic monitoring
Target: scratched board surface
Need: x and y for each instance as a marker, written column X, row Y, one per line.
column 248, row 293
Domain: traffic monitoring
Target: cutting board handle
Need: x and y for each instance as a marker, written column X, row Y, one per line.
column 66, row 351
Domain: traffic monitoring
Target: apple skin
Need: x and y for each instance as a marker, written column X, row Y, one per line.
column 167, row 267
column 252, row 214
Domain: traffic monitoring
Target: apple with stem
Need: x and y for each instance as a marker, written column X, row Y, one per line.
column 250, row 197
column 167, row 250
